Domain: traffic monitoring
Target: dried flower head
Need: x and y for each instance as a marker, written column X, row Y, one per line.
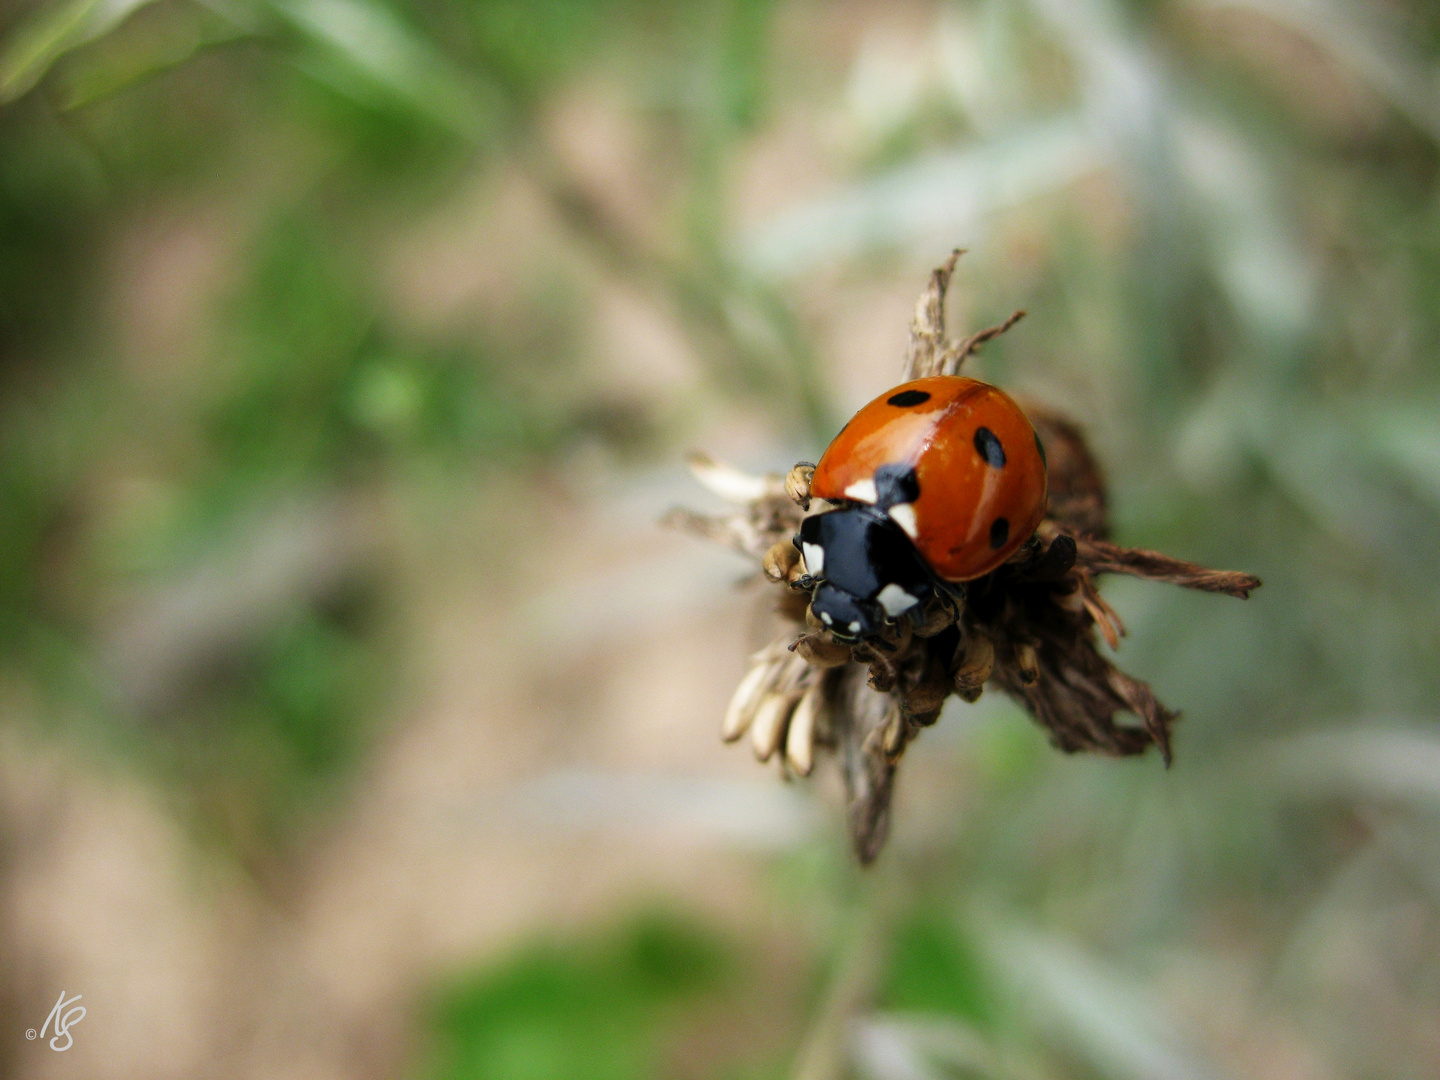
column 1028, row 628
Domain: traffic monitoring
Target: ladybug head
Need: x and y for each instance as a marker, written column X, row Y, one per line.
column 846, row 616
column 866, row 570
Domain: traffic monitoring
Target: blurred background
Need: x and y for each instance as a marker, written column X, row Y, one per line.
column 358, row 720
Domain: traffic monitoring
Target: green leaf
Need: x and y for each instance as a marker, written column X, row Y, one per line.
column 56, row 31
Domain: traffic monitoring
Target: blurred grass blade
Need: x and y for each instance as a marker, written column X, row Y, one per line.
column 904, row 1047
column 946, row 195
column 686, row 810
column 1346, row 477
column 1130, row 97
column 173, row 39
column 1417, row 848
column 54, row 32
column 1406, row 437
column 1385, row 761
column 1391, row 67
column 391, row 57
column 1125, row 92
column 1257, row 258
column 1090, row 1006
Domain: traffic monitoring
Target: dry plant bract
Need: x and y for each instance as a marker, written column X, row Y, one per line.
column 1028, row 628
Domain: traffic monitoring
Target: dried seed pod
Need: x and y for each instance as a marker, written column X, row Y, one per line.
column 895, row 735
column 746, row 700
column 1027, row 662
column 730, row 483
column 895, row 637
column 883, row 671
column 939, row 616
column 767, row 731
column 974, row 669
column 804, row 723
column 1071, row 598
column 930, row 692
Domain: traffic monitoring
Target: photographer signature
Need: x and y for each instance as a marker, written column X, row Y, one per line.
column 63, row 1014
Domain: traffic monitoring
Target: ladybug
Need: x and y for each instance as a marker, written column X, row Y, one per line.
column 936, row 482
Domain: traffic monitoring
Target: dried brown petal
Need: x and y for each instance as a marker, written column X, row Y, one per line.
column 1075, row 486
column 1103, row 557
column 1106, row 620
column 869, row 776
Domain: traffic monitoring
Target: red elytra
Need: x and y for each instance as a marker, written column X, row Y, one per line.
column 976, row 458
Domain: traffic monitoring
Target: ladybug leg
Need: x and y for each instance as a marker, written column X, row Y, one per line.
column 954, row 591
column 797, row 484
column 780, row 561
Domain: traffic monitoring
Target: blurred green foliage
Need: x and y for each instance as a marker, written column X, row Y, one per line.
column 600, row 1008
column 933, row 970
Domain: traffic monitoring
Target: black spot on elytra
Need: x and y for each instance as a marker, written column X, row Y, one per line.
column 895, row 484
column 999, row 533
column 989, row 448
column 1041, row 447
column 906, row 398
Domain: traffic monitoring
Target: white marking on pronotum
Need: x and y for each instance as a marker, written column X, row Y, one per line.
column 903, row 514
column 861, row 491
column 895, row 600
column 855, row 627
column 814, row 559
column 825, row 618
